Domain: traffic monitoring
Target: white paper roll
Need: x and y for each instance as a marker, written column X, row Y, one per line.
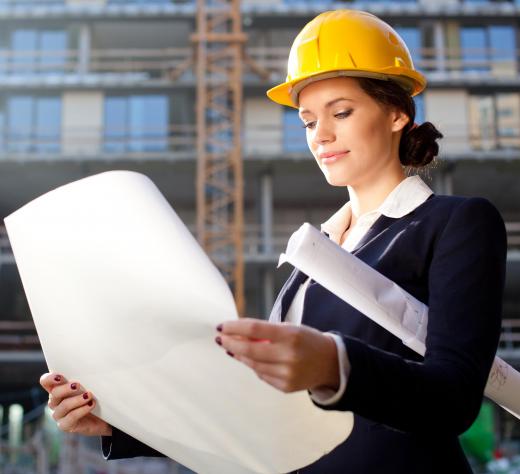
column 384, row 302
column 125, row 301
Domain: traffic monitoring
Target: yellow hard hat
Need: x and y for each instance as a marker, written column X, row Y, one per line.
column 346, row 43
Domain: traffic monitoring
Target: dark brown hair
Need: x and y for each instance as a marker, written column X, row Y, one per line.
column 418, row 146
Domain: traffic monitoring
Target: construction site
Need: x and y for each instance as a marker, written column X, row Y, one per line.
column 175, row 89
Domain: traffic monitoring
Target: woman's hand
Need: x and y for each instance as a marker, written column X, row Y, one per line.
column 71, row 406
column 286, row 356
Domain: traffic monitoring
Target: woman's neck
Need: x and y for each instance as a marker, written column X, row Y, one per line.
column 370, row 196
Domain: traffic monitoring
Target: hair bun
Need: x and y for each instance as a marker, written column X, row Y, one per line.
column 419, row 145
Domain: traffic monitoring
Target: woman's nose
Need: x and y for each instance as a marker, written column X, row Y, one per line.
column 323, row 133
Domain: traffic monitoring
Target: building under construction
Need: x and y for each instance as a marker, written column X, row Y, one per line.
column 178, row 93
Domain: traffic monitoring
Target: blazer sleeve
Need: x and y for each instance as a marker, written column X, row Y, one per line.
column 442, row 393
column 121, row 445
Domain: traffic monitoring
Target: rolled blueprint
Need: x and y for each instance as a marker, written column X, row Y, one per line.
column 125, row 301
column 383, row 301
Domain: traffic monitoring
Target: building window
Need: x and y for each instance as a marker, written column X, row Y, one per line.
column 412, row 37
column 294, row 138
column 494, row 121
column 25, row 51
column 136, row 123
column 473, row 49
column 2, row 130
column 144, row 2
column 25, row 3
column 488, row 49
column 327, row 3
column 31, row 124
column 490, row 1
column 508, row 120
column 503, row 50
column 419, row 109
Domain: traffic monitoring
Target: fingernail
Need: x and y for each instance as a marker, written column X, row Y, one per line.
column 230, row 354
column 90, row 403
column 218, row 340
column 57, row 378
column 85, row 395
column 219, row 328
column 73, row 386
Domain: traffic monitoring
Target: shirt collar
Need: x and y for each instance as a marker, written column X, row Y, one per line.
column 403, row 199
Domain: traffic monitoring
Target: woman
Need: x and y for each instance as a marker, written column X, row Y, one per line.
column 352, row 79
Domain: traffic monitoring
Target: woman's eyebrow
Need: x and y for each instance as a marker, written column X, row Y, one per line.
column 328, row 104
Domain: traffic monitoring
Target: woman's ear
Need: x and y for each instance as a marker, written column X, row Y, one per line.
column 399, row 120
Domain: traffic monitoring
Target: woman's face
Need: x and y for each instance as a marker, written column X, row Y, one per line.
column 352, row 137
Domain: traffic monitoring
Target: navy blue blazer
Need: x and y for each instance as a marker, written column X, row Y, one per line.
column 449, row 253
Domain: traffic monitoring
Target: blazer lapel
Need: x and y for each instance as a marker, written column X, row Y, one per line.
column 378, row 227
column 381, row 225
column 286, row 295
column 297, row 277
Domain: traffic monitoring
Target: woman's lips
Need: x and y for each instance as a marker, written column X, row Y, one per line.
column 331, row 159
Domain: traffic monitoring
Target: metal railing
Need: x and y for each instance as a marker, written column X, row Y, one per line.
column 312, row 3
column 46, row 3
column 480, row 61
column 157, row 62
column 6, row 253
column 509, row 345
column 18, row 335
column 97, row 142
column 170, row 63
column 513, row 234
column 259, row 246
column 180, row 140
column 21, row 3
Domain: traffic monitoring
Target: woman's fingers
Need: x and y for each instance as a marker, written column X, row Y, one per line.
column 260, row 340
column 261, row 351
column 254, row 329
column 280, row 384
column 70, row 404
column 50, row 380
column 62, row 391
column 289, row 357
column 266, row 369
column 69, row 422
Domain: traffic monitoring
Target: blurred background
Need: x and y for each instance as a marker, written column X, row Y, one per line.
column 93, row 85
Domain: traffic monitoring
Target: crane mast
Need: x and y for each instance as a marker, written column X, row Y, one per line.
column 219, row 44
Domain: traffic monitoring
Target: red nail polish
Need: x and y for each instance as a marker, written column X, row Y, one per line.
column 230, row 354
column 85, row 395
column 57, row 378
column 218, row 340
column 90, row 403
column 219, row 328
column 73, row 386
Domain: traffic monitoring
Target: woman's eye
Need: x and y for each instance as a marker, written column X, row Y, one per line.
column 339, row 115
column 309, row 125
column 343, row 114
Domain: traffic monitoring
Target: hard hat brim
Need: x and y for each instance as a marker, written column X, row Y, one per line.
column 287, row 93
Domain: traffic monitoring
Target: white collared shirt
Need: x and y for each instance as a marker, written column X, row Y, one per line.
column 403, row 199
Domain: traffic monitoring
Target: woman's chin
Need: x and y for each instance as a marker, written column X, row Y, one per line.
column 336, row 181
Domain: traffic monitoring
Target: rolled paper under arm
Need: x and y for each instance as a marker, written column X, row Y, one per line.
column 384, row 302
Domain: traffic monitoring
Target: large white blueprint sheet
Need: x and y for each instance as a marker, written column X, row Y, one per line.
column 383, row 301
column 125, row 301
